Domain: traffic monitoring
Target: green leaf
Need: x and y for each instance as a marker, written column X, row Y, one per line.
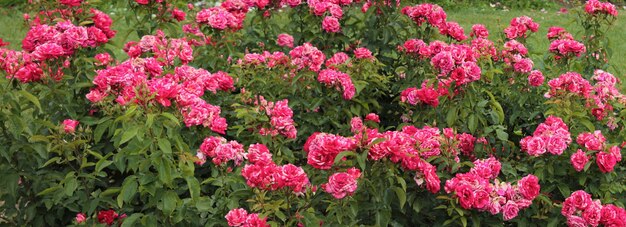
column 165, row 171
column 502, row 135
column 341, row 155
column 172, row 118
column 129, row 188
column 52, row 160
column 130, row 220
column 31, row 98
column 451, row 116
column 49, row 190
column 129, row 134
column 194, row 187
column 472, row 123
column 170, row 199
column 587, row 124
column 103, row 163
column 70, row 185
column 99, row 131
column 401, row 196
column 165, row 146
column 204, row 204
column 565, row 191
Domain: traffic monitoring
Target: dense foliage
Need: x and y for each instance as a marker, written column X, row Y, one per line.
column 292, row 113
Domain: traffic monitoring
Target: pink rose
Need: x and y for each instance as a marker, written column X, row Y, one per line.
column 331, row 25
column 510, row 210
column 529, row 187
column 362, row 53
column 466, row 196
column 342, row 184
column 236, row 217
column 579, row 199
column 606, row 161
column 178, row 14
column 372, row 117
column 356, row 125
column 576, row 221
column 71, row 2
column 593, row 213
column 285, row 40
column 616, row 152
column 69, row 125
column 80, row 218
column 535, row 78
column 579, row 160
column 479, row 31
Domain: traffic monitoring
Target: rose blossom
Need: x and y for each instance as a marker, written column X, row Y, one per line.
column 579, row 160
column 236, row 217
column 80, row 218
column 606, row 161
column 107, row 217
column 331, row 24
column 69, row 125
column 535, row 78
column 510, row 210
column 285, row 40
column 529, row 187
column 342, row 184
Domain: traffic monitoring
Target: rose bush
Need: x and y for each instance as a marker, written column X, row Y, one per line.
column 353, row 113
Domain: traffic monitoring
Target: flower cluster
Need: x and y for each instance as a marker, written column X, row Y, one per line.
column 165, row 50
column 570, row 82
column 229, row 15
column 550, row 136
column 436, row 17
column 263, row 173
column 343, row 183
column 333, row 9
column 558, row 33
column 454, row 64
column 141, row 80
column 307, row 56
column 514, row 54
column 426, row 95
column 221, row 151
column 46, row 44
column 240, row 217
column 595, row 7
column 339, row 58
column 411, row 146
column 339, row 80
column 266, row 59
column 475, row 191
column 483, row 47
column 323, row 148
column 581, row 210
column 566, row 48
column 519, row 27
column 606, row 157
column 479, row 31
column 280, row 118
column 604, row 92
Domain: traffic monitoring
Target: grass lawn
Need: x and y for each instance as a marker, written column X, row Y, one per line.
column 12, row 29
